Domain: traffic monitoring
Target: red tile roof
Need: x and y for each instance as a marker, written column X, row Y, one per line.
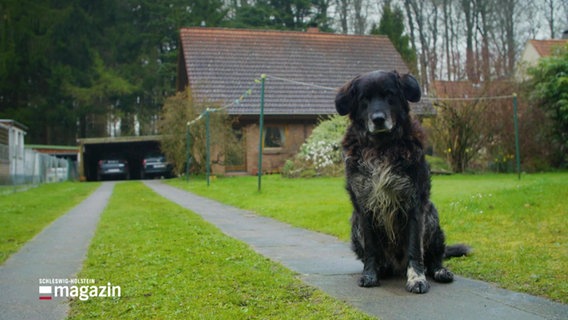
column 467, row 89
column 546, row 47
column 221, row 64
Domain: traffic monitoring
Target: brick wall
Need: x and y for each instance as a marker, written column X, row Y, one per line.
column 273, row 159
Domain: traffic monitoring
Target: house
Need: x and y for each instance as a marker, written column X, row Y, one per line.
column 12, row 154
column 536, row 49
column 303, row 71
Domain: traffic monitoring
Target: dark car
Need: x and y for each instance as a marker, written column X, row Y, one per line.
column 113, row 167
column 155, row 165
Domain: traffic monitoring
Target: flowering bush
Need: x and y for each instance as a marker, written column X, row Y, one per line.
column 321, row 154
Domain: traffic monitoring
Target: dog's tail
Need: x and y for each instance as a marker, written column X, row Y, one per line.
column 457, row 250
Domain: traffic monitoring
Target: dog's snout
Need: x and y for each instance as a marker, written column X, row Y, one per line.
column 379, row 121
column 379, row 118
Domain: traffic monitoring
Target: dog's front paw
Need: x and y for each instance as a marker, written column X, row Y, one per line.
column 368, row 280
column 443, row 275
column 418, row 285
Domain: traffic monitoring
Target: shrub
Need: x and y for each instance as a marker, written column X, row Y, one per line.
column 321, row 154
column 479, row 135
column 549, row 91
column 182, row 108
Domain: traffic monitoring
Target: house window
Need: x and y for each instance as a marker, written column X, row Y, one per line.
column 274, row 137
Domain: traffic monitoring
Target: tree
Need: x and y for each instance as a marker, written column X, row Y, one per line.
column 457, row 132
column 392, row 25
column 140, row 44
column 177, row 112
column 470, row 65
column 342, row 14
column 551, row 9
column 550, row 83
column 100, row 94
column 506, row 12
column 320, row 17
column 252, row 16
column 472, row 128
column 359, row 16
column 41, row 47
column 280, row 14
column 52, row 53
column 422, row 17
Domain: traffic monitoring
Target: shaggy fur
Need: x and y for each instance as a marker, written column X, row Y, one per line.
column 395, row 227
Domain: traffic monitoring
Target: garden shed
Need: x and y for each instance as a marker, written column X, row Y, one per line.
column 12, row 135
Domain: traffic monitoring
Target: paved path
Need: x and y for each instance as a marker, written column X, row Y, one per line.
column 55, row 253
column 329, row 264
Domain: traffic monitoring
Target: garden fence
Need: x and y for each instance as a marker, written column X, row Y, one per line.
column 21, row 170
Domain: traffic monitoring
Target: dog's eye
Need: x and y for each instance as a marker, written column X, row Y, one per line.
column 389, row 96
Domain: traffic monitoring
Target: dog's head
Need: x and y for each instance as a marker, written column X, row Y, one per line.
column 377, row 100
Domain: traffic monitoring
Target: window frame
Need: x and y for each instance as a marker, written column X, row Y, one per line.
column 283, row 129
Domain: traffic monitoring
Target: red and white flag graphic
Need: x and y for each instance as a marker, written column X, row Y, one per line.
column 45, row 293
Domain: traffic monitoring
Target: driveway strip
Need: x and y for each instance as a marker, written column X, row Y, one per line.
column 57, row 252
column 327, row 263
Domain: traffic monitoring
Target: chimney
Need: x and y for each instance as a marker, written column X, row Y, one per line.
column 313, row 29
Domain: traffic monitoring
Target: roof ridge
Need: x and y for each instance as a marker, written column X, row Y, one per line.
column 552, row 40
column 280, row 32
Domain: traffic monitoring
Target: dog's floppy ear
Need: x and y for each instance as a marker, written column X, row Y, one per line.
column 344, row 99
column 410, row 88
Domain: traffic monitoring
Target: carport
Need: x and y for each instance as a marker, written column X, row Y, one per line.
column 133, row 149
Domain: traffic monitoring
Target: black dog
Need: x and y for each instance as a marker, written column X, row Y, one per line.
column 395, row 227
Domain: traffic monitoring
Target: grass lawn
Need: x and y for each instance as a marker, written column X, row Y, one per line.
column 24, row 214
column 518, row 229
column 171, row 264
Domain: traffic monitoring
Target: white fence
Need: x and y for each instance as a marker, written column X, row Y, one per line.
column 32, row 168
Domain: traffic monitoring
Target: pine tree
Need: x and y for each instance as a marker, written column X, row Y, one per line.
column 392, row 25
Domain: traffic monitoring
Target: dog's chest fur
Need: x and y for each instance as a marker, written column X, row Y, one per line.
column 383, row 191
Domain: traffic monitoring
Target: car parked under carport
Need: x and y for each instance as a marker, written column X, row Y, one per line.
column 113, row 167
column 155, row 165
column 131, row 149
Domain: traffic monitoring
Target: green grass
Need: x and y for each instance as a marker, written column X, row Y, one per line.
column 518, row 229
column 170, row 264
column 438, row 164
column 24, row 214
